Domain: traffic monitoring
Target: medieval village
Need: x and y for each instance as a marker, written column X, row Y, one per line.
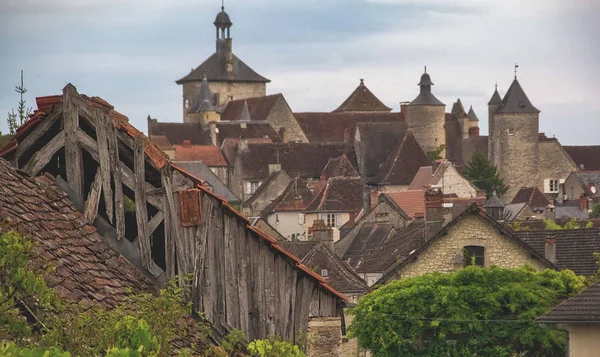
column 240, row 227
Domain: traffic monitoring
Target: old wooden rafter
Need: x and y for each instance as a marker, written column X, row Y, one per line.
column 141, row 211
column 42, row 157
column 91, row 204
column 73, row 158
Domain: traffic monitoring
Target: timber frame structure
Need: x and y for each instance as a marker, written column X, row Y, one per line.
column 169, row 221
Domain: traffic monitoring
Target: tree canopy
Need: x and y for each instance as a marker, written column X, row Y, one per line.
column 484, row 175
column 474, row 311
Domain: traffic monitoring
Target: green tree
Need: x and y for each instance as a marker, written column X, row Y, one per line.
column 22, row 110
column 471, row 312
column 484, row 175
column 595, row 211
column 437, row 153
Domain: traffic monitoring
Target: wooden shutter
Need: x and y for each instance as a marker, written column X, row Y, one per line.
column 190, row 210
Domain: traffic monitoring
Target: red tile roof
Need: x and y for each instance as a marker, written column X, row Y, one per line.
column 411, row 202
column 532, row 196
column 210, row 155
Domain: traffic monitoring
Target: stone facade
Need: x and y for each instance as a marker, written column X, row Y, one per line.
column 453, row 182
column 262, row 199
column 204, row 118
column 225, row 91
column 324, row 337
column 283, row 121
column 555, row 163
column 427, row 124
column 516, row 150
column 445, row 254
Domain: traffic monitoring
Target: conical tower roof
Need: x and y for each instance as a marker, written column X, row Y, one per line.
column 472, row 116
column 204, row 101
column 516, row 101
column 458, row 109
column 496, row 99
column 425, row 97
column 245, row 116
column 362, row 100
column 493, row 202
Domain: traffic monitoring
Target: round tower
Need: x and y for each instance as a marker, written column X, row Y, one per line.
column 493, row 105
column 426, row 116
column 515, row 141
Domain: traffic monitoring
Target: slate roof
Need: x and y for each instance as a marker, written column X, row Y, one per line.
column 575, row 248
column 495, row 99
column 411, row 202
column 210, row 155
column 368, row 240
column 203, row 100
column 532, row 196
column 340, row 194
column 215, row 71
column 87, row 268
column 316, row 255
column 199, row 169
column 458, row 109
column 587, row 180
column 264, row 185
column 585, row 157
column 259, row 108
column 161, row 142
column 511, row 211
column 472, row 116
column 581, row 308
column 230, row 147
column 362, row 100
column 425, row 97
column 516, row 101
column 403, row 163
column 422, row 178
column 377, row 141
column 297, row 159
column 295, row 197
column 248, row 130
column 339, row 166
column 338, row 126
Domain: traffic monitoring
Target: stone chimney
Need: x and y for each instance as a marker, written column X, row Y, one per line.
column 585, row 204
column 473, row 132
column 434, row 211
column 243, row 145
column 322, row 233
column 274, row 168
column 550, row 212
column 404, row 110
column 187, row 144
column 550, row 248
column 213, row 132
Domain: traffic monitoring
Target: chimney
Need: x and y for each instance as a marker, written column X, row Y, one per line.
column 187, row 144
column 542, row 136
column 550, row 248
column 366, row 199
column 585, row 204
column 243, row 145
column 434, row 211
column 274, row 168
column 322, row 233
column 473, row 132
column 550, row 212
column 213, row 132
column 404, row 110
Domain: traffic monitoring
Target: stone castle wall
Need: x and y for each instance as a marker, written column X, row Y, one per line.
column 440, row 256
column 427, row 124
column 227, row 90
column 517, row 155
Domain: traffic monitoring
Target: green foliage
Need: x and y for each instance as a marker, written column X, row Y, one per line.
column 22, row 111
column 589, row 225
column 516, row 226
column 484, row 175
column 571, row 224
column 474, row 311
column 273, row 347
column 595, row 211
column 234, row 343
column 12, row 350
column 437, row 153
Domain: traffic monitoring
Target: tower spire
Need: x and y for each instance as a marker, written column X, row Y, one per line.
column 516, row 66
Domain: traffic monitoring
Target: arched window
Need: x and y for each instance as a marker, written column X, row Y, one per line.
column 474, row 255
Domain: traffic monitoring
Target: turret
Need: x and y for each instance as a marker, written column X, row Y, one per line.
column 224, row 44
column 458, row 110
column 494, row 207
column 201, row 108
column 426, row 117
column 493, row 105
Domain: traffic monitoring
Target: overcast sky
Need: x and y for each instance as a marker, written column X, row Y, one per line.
column 130, row 52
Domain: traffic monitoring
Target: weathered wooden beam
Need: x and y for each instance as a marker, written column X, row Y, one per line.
column 73, row 158
column 101, row 121
column 152, row 225
column 141, row 211
column 42, row 157
column 39, row 131
column 126, row 176
column 91, row 204
column 169, row 242
column 115, row 163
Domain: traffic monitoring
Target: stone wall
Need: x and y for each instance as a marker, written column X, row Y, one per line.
column 491, row 133
column 441, row 254
column 324, row 337
column 427, row 124
column 287, row 223
column 555, row 163
column 271, row 192
column 516, row 151
column 573, row 188
column 204, row 118
column 453, row 182
column 281, row 117
column 226, row 91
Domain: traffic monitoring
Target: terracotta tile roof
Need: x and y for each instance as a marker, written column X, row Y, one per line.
column 87, row 268
column 377, row 141
column 403, row 163
column 582, row 308
column 411, row 202
column 210, row 155
column 259, row 108
column 587, row 157
column 316, row 255
column 340, row 194
column 340, row 127
column 532, row 196
column 339, row 166
column 295, row 197
column 422, row 178
column 575, row 248
column 362, row 100
column 161, row 142
column 297, row 159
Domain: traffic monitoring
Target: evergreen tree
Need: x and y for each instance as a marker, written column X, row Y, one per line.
column 484, row 175
column 22, row 111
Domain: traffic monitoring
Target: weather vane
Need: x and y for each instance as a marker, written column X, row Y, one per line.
column 516, row 66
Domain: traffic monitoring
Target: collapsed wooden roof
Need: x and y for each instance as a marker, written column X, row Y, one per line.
column 242, row 278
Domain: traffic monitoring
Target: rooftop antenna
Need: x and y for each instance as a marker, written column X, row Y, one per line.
column 516, row 66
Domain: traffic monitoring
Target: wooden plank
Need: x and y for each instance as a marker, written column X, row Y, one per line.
column 281, row 302
column 115, row 164
column 152, row 225
column 290, row 297
column 91, row 204
column 126, row 175
column 141, row 210
column 42, row 157
column 169, row 243
column 73, row 158
column 270, row 286
column 102, row 122
column 39, row 131
column 232, row 303
column 175, row 226
column 242, row 276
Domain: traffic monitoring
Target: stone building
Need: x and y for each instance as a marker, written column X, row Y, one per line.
column 229, row 78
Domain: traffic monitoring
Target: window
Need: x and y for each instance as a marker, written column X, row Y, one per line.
column 251, row 186
column 324, row 273
column 330, row 220
column 553, row 185
column 511, row 131
column 301, row 218
column 473, row 255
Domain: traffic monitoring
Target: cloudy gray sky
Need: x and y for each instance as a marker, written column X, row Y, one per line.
column 130, row 52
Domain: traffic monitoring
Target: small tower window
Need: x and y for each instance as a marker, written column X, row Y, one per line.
column 511, row 131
